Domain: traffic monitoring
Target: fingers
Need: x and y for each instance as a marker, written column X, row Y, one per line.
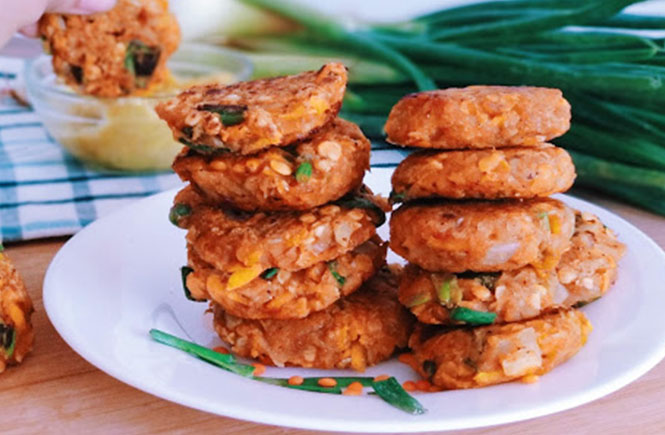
column 79, row 6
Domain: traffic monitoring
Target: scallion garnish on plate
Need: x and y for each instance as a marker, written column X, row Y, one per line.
column 387, row 389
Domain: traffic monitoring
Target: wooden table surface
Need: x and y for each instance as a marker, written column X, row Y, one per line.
column 56, row 391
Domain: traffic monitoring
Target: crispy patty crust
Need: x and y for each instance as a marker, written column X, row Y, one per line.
column 251, row 116
column 478, row 357
column 484, row 174
column 512, row 295
column 16, row 334
column 585, row 273
column 320, row 169
column 357, row 331
column 479, row 117
column 289, row 240
column 589, row 267
column 282, row 294
column 482, row 236
column 114, row 53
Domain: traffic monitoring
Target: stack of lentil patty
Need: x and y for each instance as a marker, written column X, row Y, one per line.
column 485, row 244
column 281, row 230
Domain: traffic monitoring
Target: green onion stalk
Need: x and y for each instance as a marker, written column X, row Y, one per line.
column 614, row 79
column 389, row 390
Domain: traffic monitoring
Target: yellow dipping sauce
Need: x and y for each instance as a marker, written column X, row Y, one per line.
column 124, row 134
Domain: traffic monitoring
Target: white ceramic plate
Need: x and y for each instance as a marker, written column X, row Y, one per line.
column 119, row 277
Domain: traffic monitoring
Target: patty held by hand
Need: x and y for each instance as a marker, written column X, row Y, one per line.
column 114, row 53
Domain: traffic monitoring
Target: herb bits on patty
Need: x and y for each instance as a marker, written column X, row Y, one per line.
column 496, row 269
column 281, row 232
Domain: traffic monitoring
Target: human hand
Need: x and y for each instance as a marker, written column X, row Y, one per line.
column 23, row 15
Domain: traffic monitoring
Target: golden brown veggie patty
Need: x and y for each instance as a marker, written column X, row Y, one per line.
column 479, row 117
column 321, row 169
column 585, row 273
column 357, row 331
column 283, row 294
column 478, row 357
column 482, row 236
column 251, row 116
column 113, row 53
column 16, row 334
column 293, row 240
column 488, row 174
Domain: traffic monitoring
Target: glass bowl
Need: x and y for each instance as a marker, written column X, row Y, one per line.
column 125, row 134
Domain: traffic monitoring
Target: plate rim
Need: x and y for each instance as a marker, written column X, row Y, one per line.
column 274, row 418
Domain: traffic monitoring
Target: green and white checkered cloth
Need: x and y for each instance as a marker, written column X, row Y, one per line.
column 45, row 192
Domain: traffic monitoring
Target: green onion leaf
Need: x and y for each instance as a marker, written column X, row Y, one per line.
column 489, row 280
column 443, row 291
column 2, row 247
column 332, row 267
column 418, row 300
column 230, row 114
column 141, row 60
column 202, row 149
column 392, row 392
column 225, row 361
column 545, row 220
column 77, row 73
column 581, row 304
column 270, row 273
column 389, row 390
column 184, row 271
column 471, row 363
column 357, row 201
column 303, row 172
column 395, row 197
column 7, row 340
column 472, row 317
column 187, row 131
column 429, row 367
column 179, row 211
column 486, row 279
column 312, row 384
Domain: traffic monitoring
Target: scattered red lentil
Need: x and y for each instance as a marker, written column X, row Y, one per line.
column 221, row 349
column 409, row 360
column 423, row 385
column 381, row 378
column 259, row 369
column 354, row 389
column 296, row 380
column 327, row 382
column 409, row 386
